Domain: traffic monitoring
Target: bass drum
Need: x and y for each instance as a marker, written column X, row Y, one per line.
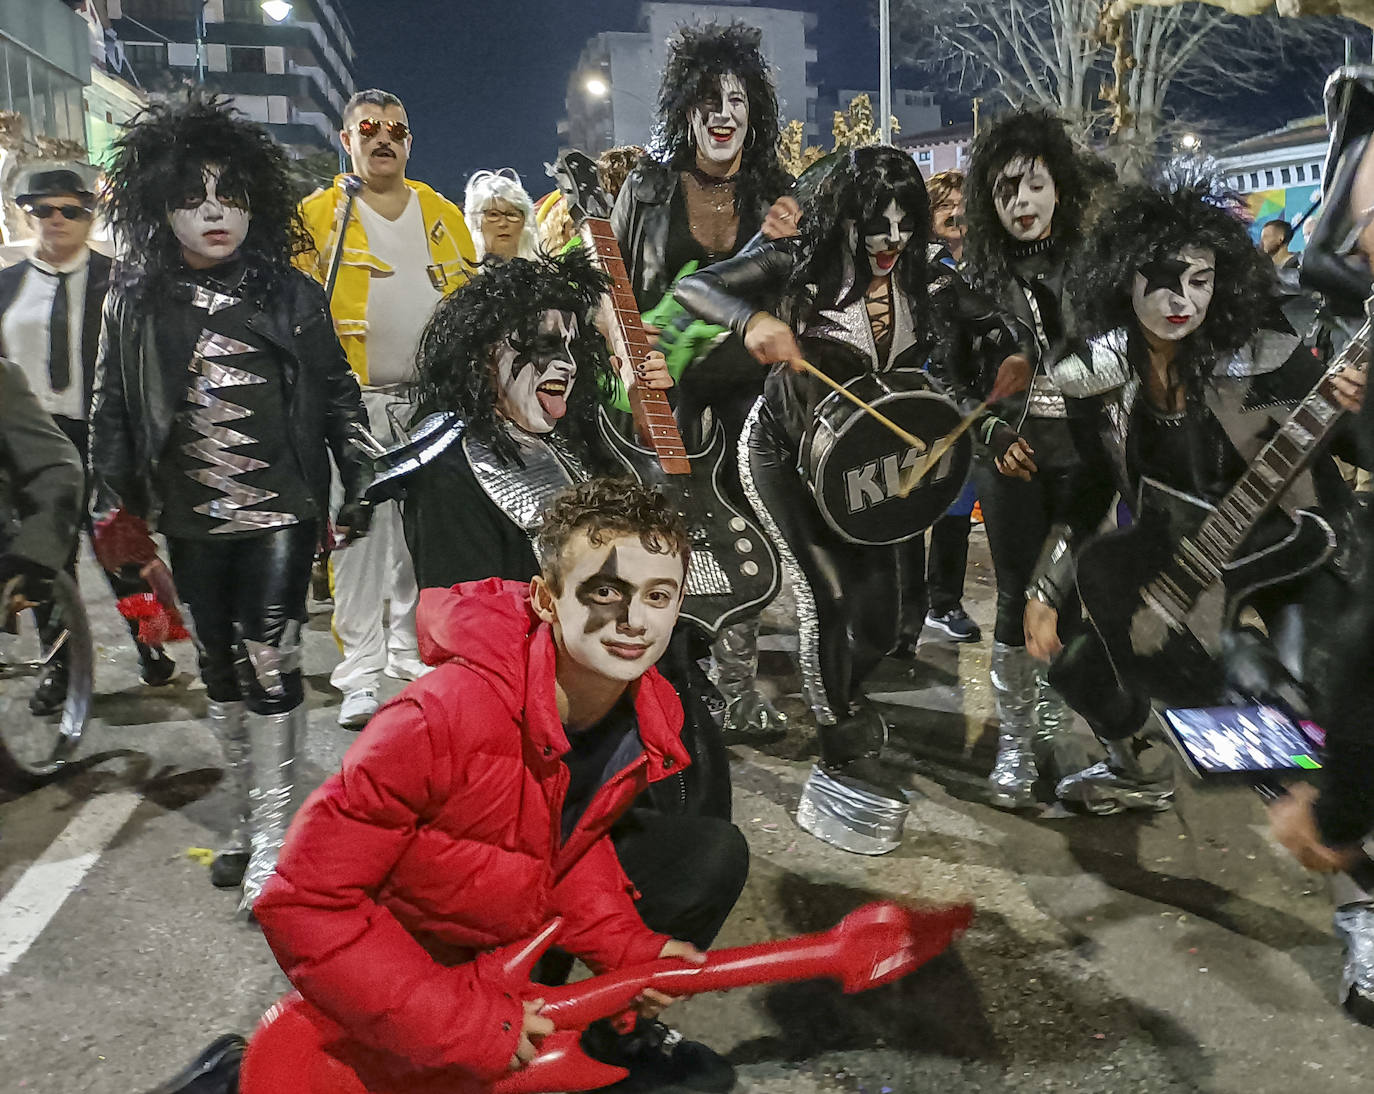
column 853, row 463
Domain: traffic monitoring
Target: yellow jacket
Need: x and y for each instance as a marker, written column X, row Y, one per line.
column 450, row 250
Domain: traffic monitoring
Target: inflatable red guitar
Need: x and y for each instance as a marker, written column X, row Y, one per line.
column 297, row 1050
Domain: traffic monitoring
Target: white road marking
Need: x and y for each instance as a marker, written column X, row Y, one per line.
column 41, row 890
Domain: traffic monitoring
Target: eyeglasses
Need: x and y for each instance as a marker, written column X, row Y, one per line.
column 370, row 127
column 510, row 216
column 69, row 212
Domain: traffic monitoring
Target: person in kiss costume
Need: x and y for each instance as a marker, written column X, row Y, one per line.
column 220, row 394
column 1181, row 380
column 1026, row 194
column 701, row 195
column 852, row 291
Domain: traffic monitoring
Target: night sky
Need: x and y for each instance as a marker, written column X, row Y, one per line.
column 484, row 80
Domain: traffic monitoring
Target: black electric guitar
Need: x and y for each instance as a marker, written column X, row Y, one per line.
column 1161, row 592
column 734, row 570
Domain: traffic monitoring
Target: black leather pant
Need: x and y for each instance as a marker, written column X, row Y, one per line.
column 726, row 381
column 858, row 590
column 246, row 598
column 1018, row 515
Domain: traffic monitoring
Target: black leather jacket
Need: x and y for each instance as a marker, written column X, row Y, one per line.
column 138, row 393
column 640, row 221
column 730, row 293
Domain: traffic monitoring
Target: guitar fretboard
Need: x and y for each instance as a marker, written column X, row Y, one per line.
column 1272, row 470
column 653, row 414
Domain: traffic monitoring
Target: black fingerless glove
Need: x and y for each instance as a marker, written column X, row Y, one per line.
column 356, row 517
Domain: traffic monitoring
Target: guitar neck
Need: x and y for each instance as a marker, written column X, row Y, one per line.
column 653, row 415
column 1280, row 461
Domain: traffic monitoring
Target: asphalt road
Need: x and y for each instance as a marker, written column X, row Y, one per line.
column 1173, row 952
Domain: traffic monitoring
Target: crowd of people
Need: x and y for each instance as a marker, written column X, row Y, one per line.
column 438, row 401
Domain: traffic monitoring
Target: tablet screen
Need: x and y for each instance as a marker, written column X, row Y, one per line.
column 1226, row 740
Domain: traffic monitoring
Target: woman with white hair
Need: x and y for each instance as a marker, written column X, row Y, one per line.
column 498, row 204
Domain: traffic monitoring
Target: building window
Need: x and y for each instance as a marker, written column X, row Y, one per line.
column 923, row 156
column 1269, row 178
column 1285, row 175
column 247, row 59
column 1302, row 172
column 1254, row 181
column 1316, row 172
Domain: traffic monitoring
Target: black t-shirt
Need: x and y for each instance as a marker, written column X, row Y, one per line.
column 597, row 754
column 1188, row 451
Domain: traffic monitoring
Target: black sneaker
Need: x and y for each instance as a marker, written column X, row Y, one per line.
column 50, row 696
column 214, row 1071
column 956, row 624
column 658, row 1057
column 228, row 868
column 155, row 667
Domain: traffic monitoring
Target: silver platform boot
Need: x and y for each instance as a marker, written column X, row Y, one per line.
column 1354, row 923
column 1135, row 775
column 851, row 799
column 231, row 858
column 1058, row 750
column 735, row 667
column 1016, row 688
column 273, row 739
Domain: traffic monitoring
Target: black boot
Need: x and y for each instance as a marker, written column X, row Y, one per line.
column 214, row 1071
column 658, row 1056
column 155, row 667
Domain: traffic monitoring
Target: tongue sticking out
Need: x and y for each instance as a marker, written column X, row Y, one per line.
column 555, row 404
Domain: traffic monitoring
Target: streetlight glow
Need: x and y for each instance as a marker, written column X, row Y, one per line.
column 276, row 10
column 598, row 87
column 1190, row 141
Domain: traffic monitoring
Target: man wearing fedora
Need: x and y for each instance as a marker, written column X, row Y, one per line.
column 50, row 308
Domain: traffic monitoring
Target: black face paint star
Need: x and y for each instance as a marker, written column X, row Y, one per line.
column 605, row 596
column 1164, row 272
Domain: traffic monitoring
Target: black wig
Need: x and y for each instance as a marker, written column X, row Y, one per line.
column 698, row 56
column 506, row 301
column 832, row 272
column 1033, row 134
column 1148, row 222
column 160, row 160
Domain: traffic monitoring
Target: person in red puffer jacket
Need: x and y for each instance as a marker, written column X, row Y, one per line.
column 475, row 807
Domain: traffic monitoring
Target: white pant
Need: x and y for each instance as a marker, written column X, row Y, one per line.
column 371, row 571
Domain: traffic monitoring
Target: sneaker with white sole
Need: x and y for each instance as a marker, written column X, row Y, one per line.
column 956, row 624
column 358, row 708
column 405, row 668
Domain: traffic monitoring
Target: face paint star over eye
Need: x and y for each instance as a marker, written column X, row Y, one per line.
column 618, row 606
column 1171, row 293
column 1025, row 197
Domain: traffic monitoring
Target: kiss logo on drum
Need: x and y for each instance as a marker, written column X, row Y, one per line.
column 880, row 480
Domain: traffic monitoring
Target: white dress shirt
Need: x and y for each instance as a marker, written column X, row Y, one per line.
column 25, row 332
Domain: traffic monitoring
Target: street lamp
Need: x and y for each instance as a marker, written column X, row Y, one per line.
column 597, row 87
column 276, row 10
column 1190, row 141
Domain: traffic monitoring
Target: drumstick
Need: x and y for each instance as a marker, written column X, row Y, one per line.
column 909, row 438
column 913, row 475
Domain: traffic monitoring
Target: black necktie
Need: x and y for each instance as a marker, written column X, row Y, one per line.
column 59, row 339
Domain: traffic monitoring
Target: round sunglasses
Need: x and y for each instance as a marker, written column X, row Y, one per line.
column 68, row 212
column 370, row 127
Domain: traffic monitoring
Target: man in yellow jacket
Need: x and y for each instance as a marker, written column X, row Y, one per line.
column 404, row 247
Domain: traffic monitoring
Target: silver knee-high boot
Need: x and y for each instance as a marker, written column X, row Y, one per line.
column 1354, row 923
column 1058, row 750
column 1016, row 689
column 735, row 661
column 273, row 739
column 231, row 858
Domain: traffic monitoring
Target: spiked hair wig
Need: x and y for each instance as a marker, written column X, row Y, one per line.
column 856, row 188
column 1148, row 222
column 506, row 301
column 1034, row 135
column 698, row 56
column 161, row 158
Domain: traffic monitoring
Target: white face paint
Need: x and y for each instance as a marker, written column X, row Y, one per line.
column 886, row 237
column 210, row 227
column 1171, row 294
column 721, row 123
column 618, row 605
column 1024, row 195
column 535, row 381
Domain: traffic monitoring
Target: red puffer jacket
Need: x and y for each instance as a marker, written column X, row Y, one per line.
column 439, row 838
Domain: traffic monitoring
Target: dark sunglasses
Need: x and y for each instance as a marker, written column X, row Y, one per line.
column 69, row 212
column 370, row 127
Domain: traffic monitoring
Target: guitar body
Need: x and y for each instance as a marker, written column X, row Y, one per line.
column 1172, row 657
column 734, row 570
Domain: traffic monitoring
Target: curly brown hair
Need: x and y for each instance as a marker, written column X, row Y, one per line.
column 940, row 187
column 601, row 509
column 614, row 165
